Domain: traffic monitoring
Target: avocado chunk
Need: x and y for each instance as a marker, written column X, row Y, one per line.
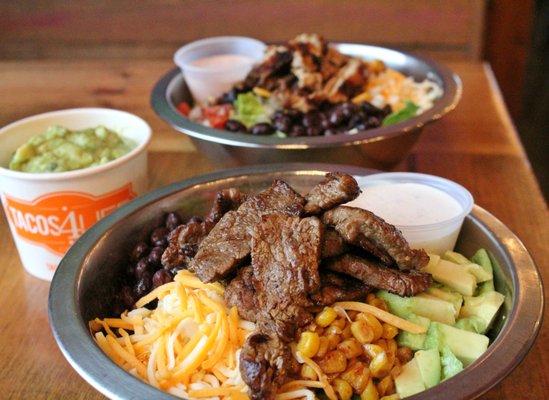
column 428, row 362
column 455, row 276
column 414, row 341
column 466, row 346
column 409, row 381
column 450, row 364
column 471, row 324
column 484, row 307
column 423, row 305
column 454, row 257
column 448, row 295
column 482, row 258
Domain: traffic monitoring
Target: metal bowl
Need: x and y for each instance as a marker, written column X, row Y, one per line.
column 87, row 279
column 379, row 148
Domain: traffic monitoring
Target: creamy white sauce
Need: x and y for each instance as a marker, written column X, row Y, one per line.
column 408, row 204
column 223, row 61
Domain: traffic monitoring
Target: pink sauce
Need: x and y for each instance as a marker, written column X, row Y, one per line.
column 223, row 61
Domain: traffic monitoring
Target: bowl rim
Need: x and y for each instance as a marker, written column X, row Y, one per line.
column 76, row 344
column 451, row 82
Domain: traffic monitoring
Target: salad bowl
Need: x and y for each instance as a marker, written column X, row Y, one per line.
column 381, row 147
column 87, row 280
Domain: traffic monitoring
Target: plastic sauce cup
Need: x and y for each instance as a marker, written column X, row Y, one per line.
column 433, row 237
column 207, row 82
column 47, row 212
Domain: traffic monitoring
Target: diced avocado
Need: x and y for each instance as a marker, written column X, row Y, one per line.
column 409, row 381
column 471, row 324
column 480, row 273
column 433, row 308
column 485, row 287
column 447, row 295
column 466, row 346
column 454, row 257
column 428, row 362
column 484, row 307
column 415, row 341
column 425, row 306
column 482, row 258
column 450, row 364
column 453, row 275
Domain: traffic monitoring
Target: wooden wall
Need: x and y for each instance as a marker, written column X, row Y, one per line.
column 449, row 29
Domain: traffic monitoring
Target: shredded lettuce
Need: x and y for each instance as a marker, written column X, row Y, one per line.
column 409, row 111
column 249, row 110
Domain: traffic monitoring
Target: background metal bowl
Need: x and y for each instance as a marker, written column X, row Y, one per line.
column 88, row 278
column 380, row 148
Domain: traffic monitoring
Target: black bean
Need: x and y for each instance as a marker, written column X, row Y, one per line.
column 142, row 267
column 337, row 116
column 348, row 109
column 161, row 277
column 155, row 256
column 233, row 125
column 139, row 251
column 126, row 297
column 159, row 237
column 386, row 110
column 228, row 97
column 295, row 115
column 262, row 128
column 313, row 131
column 176, row 269
column 143, row 286
column 311, row 119
column 369, row 108
column 373, row 122
column 173, row 220
column 283, row 123
column 297, row 130
column 324, row 120
column 330, row 132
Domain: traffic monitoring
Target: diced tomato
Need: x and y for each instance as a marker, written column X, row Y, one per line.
column 217, row 116
column 184, row 108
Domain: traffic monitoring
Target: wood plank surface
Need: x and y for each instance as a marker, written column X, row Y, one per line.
column 147, row 29
column 475, row 145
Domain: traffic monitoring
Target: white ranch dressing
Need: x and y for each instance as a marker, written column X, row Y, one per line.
column 408, row 204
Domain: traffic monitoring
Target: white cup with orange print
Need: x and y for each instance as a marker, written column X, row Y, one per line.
column 47, row 212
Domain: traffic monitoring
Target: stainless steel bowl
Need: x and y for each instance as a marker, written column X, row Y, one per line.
column 87, row 279
column 379, row 148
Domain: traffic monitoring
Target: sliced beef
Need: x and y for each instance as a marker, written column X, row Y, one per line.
column 374, row 274
column 338, row 287
column 333, row 244
column 240, row 293
column 363, row 228
column 285, row 258
column 336, row 188
column 265, row 364
column 183, row 241
column 229, row 242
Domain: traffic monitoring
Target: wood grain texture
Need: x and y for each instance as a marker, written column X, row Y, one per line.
column 148, row 29
column 475, row 145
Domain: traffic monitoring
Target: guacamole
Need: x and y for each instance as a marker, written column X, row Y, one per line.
column 59, row 149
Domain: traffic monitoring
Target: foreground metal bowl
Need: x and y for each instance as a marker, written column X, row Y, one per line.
column 380, row 148
column 87, row 279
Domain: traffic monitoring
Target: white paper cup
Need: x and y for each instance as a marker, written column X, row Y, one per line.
column 206, row 83
column 47, row 212
column 434, row 237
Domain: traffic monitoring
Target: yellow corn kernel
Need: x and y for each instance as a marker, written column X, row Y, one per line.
column 309, row 343
column 370, row 392
column 391, row 397
column 357, row 375
column 381, row 343
column 261, row 92
column 350, row 347
column 389, row 331
column 326, row 317
column 404, row 354
column 308, row 373
column 392, row 346
column 323, row 347
column 346, row 332
column 378, row 303
column 386, row 386
column 362, row 331
column 380, row 365
column 374, row 324
column 372, row 350
column 332, row 330
column 333, row 362
column 333, row 341
column 343, row 389
column 340, row 323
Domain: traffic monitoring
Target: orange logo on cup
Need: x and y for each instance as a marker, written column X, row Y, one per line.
column 56, row 220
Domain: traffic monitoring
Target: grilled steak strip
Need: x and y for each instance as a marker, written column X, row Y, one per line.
column 333, row 244
column 229, row 242
column 363, row 228
column 374, row 274
column 336, row 188
column 285, row 258
column 338, row 287
column 183, row 241
column 240, row 293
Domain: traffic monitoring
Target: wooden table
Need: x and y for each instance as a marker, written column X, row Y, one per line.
column 476, row 145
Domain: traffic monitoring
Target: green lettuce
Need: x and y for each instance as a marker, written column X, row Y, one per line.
column 249, row 110
column 409, row 111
